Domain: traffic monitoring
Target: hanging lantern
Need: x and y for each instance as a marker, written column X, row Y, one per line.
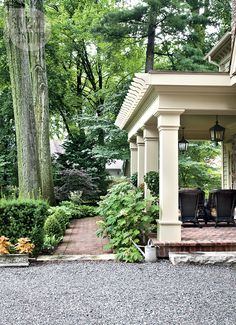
column 183, row 143
column 217, row 132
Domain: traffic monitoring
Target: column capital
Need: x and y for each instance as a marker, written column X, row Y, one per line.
column 133, row 146
column 169, row 119
column 150, row 134
column 169, row 111
column 139, row 140
column 132, row 139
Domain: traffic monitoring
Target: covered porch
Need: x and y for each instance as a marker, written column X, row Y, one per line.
column 155, row 108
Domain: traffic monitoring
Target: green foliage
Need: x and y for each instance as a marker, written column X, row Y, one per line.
column 78, row 211
column 126, row 215
column 134, row 179
column 71, row 208
column 74, row 180
column 87, row 211
column 50, row 243
column 83, row 164
column 23, row 218
column 152, row 181
column 52, row 227
column 198, row 168
column 114, row 180
column 129, row 254
column 62, row 217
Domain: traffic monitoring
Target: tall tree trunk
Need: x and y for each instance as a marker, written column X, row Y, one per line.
column 24, row 35
column 40, row 96
column 151, row 40
column 19, row 64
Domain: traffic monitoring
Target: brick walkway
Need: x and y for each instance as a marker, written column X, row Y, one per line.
column 81, row 238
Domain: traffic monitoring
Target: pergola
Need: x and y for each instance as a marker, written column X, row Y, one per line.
column 156, row 105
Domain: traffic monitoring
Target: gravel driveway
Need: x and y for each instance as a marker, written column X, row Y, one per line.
column 107, row 293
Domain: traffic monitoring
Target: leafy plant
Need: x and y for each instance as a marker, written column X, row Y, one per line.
column 152, row 181
column 5, row 245
column 126, row 215
column 134, row 179
column 71, row 208
column 78, row 211
column 24, row 246
column 87, row 211
column 52, row 227
column 50, row 243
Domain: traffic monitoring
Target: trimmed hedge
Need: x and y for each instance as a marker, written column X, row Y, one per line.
column 23, row 218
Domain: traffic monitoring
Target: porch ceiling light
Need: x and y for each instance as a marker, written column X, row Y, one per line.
column 217, row 132
column 183, row 143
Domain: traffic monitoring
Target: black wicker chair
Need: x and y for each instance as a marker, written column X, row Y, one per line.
column 224, row 202
column 189, row 205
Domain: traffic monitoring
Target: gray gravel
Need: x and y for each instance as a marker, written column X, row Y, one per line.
column 107, row 293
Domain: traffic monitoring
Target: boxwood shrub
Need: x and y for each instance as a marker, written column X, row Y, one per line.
column 23, row 218
column 52, row 227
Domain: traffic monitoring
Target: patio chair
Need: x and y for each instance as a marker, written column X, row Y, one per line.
column 189, row 206
column 224, row 202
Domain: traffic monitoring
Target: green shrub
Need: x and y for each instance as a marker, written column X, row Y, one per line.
column 87, row 211
column 52, row 227
column 71, row 208
column 62, row 215
column 23, row 218
column 134, row 179
column 50, row 243
column 152, row 181
column 126, row 215
column 78, row 211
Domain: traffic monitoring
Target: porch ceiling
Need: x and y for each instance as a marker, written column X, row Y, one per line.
column 196, row 127
column 200, row 95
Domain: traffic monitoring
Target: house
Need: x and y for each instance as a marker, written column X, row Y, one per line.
column 115, row 168
column 158, row 104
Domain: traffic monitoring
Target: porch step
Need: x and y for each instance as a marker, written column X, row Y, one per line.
column 207, row 258
column 191, row 246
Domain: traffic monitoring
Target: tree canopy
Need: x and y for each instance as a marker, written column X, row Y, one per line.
column 92, row 51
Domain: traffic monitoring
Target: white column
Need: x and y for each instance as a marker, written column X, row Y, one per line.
column 169, row 226
column 233, row 161
column 133, row 157
column 140, row 146
column 150, row 137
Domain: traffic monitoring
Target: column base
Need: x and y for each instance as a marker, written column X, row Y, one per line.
column 169, row 231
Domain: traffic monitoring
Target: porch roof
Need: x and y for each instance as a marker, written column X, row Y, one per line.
column 193, row 92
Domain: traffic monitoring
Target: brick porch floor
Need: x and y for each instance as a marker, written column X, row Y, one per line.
column 208, row 238
column 80, row 238
column 209, row 233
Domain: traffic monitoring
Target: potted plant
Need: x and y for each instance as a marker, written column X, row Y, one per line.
column 15, row 255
